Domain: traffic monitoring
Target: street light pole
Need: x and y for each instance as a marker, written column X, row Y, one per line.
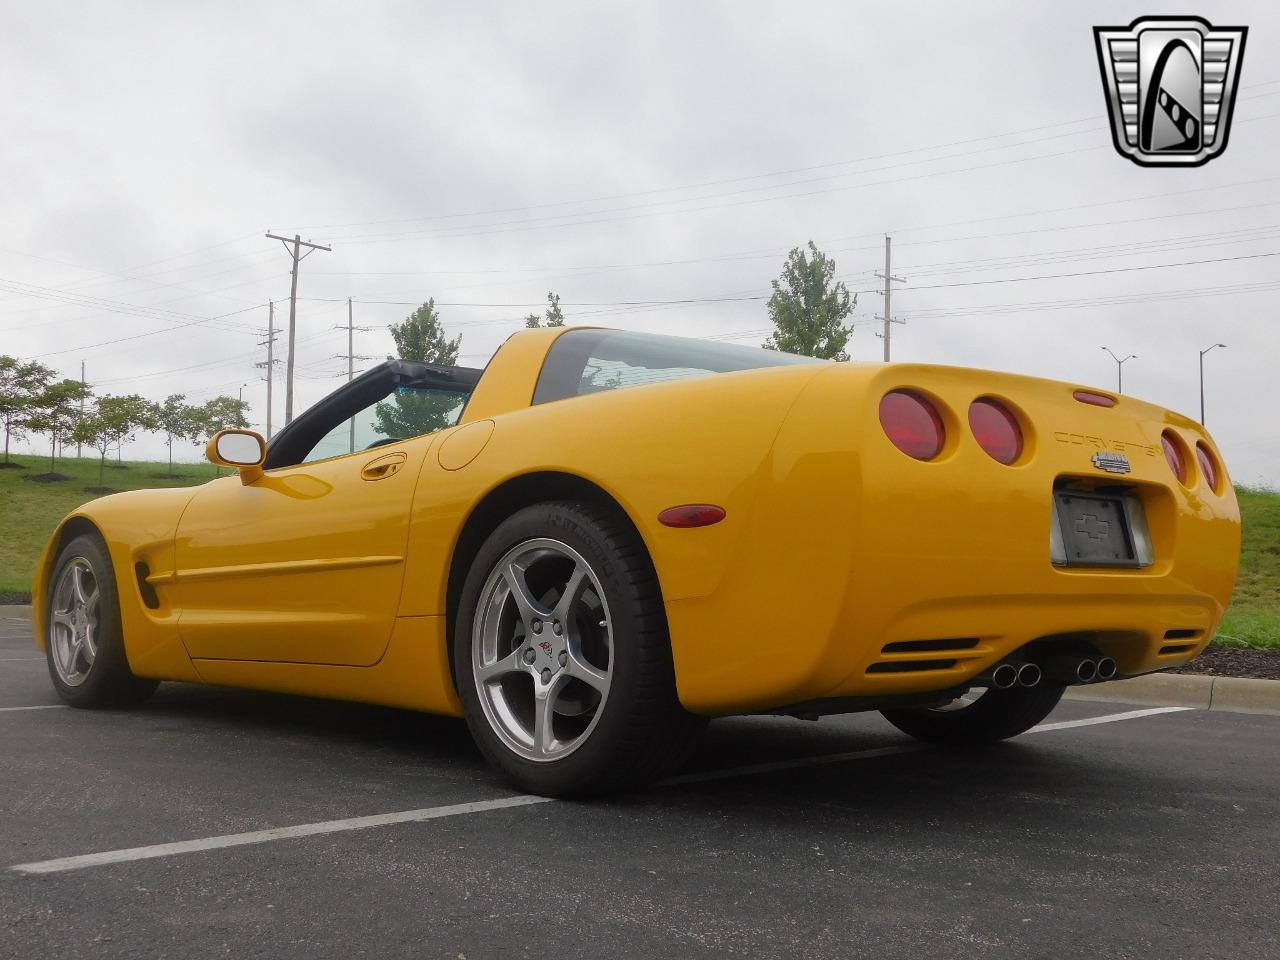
column 1120, row 362
column 1202, row 353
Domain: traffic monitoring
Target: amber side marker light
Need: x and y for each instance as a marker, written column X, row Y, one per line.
column 912, row 424
column 1096, row 399
column 1208, row 466
column 691, row 515
column 996, row 429
column 1175, row 455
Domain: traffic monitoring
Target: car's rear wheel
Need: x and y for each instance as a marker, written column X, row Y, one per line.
column 84, row 643
column 982, row 715
column 562, row 657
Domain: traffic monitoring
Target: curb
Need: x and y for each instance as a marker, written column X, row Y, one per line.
column 1199, row 691
column 15, row 611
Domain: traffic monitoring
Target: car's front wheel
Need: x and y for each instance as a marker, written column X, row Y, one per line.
column 84, row 642
column 562, row 657
column 982, row 715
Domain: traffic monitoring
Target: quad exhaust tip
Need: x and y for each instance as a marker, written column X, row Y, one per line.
column 1004, row 676
column 1065, row 669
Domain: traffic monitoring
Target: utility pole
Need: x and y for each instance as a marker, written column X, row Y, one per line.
column 271, row 360
column 85, row 385
column 351, row 328
column 1202, row 353
column 1120, row 362
column 889, row 281
column 298, row 257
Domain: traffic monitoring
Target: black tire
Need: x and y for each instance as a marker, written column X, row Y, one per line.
column 107, row 681
column 996, row 715
column 642, row 732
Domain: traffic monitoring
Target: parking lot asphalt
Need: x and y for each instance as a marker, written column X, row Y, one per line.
column 1153, row 835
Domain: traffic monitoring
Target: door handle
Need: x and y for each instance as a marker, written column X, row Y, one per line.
column 383, row 467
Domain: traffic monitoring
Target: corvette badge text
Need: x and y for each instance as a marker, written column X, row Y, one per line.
column 1101, row 444
column 1170, row 84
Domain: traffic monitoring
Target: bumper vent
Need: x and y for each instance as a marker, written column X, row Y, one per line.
column 917, row 646
column 910, row 666
column 1188, row 638
column 913, row 656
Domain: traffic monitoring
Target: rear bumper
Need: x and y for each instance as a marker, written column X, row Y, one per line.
column 853, row 547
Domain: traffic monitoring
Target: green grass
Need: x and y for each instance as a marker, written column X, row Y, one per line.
column 29, row 510
column 1254, row 616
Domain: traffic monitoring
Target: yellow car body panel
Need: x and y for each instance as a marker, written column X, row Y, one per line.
column 835, row 543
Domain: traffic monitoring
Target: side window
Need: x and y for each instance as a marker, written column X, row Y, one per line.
column 409, row 412
column 589, row 361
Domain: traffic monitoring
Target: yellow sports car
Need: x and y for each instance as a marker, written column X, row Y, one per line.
column 604, row 538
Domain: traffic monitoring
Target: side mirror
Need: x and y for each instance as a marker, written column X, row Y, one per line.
column 242, row 449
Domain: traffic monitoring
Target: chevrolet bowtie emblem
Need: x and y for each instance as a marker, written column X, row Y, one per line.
column 1170, row 84
column 1111, row 462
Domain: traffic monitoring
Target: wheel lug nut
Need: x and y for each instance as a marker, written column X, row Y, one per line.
column 556, row 628
column 564, row 658
column 546, row 675
column 537, row 626
column 530, row 656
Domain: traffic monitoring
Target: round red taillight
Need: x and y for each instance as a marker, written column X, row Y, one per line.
column 1208, row 466
column 996, row 429
column 1173, row 452
column 912, row 423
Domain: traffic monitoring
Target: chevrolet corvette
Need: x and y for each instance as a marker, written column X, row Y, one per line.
column 604, row 538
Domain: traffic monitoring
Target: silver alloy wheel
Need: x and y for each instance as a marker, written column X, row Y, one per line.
column 542, row 649
column 73, row 622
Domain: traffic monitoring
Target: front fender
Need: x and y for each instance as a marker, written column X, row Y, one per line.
column 138, row 528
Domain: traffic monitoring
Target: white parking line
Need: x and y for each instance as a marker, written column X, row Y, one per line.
column 18, row 659
column 64, row 864
column 276, row 833
column 43, row 706
column 1106, row 718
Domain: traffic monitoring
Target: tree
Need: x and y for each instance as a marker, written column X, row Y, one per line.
column 220, row 413
column 421, row 337
column 176, row 420
column 128, row 415
column 109, row 422
column 554, row 317
column 57, row 411
column 807, row 310
column 21, row 384
column 410, row 413
column 112, row 422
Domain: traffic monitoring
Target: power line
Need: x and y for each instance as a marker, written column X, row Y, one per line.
column 536, row 223
column 297, row 257
column 270, row 365
column 1092, row 273
column 698, row 185
column 889, row 280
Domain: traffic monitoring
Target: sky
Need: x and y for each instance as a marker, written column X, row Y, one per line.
column 650, row 162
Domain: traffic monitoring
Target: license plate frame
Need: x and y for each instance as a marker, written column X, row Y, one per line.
column 1099, row 529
